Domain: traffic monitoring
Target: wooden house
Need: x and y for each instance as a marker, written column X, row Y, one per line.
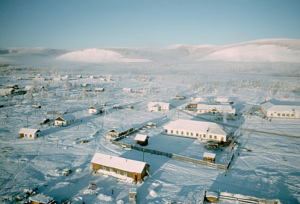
column 158, row 106
column 118, row 167
column 64, row 120
column 41, row 199
column 212, row 196
column 209, row 157
column 95, row 109
column 141, row 139
column 196, row 129
column 29, row 133
column 213, row 109
column 119, row 131
column 99, row 89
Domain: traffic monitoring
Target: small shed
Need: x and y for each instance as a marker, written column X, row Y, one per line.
column 118, row 131
column 99, row 89
column 41, row 199
column 141, row 139
column 212, row 196
column 95, row 109
column 132, row 194
column 64, row 120
column 209, row 157
column 29, row 133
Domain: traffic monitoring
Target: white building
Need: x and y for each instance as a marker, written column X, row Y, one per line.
column 64, row 120
column 95, row 109
column 158, row 106
column 6, row 92
column 196, row 129
column 222, row 100
column 29, row 133
column 99, row 89
column 271, row 110
column 213, row 109
column 127, row 90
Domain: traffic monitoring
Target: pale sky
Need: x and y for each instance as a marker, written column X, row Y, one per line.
column 77, row 24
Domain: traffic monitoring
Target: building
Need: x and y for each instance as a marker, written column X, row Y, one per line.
column 212, row 196
column 127, row 90
column 213, row 109
column 41, row 199
column 95, row 109
column 158, row 106
column 64, row 120
column 141, row 139
column 209, row 157
column 29, row 133
column 38, row 79
column 177, row 97
column 196, row 129
column 7, row 92
column 120, row 167
column 222, row 100
column 191, row 107
column 119, row 131
column 99, row 89
column 286, row 110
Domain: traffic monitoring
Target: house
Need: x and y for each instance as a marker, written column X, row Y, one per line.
column 120, row 167
column 95, row 109
column 282, row 110
column 86, row 85
column 119, row 131
column 15, row 86
column 41, row 199
column 6, row 92
column 29, row 88
column 213, row 109
column 127, row 90
column 212, row 196
column 191, row 107
column 141, row 139
column 64, row 120
column 57, row 79
column 222, row 100
column 209, row 157
column 29, row 133
column 99, row 89
column 200, row 99
column 196, row 129
column 79, row 76
column 158, row 106
column 177, row 97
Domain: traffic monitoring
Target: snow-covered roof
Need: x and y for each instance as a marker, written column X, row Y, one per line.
column 40, row 198
column 212, row 194
column 268, row 106
column 221, row 99
column 5, row 91
column 67, row 117
column 196, row 126
column 126, row 89
column 97, row 106
column 140, row 137
column 151, row 104
column 100, row 89
column 210, row 155
column 28, row 130
column 213, row 106
column 119, row 163
column 122, row 128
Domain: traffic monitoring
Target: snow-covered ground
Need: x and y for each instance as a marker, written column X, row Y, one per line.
column 265, row 165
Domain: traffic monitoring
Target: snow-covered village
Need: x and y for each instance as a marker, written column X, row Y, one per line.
column 150, row 124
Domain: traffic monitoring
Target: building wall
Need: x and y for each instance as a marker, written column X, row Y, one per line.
column 193, row 134
column 281, row 114
column 93, row 111
column 219, row 112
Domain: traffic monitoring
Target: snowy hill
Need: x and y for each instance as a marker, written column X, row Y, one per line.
column 268, row 50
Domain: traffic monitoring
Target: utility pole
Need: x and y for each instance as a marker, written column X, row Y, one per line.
column 143, row 153
column 226, row 165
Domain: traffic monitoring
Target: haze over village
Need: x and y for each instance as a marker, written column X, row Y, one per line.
column 147, row 102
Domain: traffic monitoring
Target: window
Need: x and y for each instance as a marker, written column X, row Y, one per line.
column 166, row 131
column 287, row 114
column 210, row 136
column 278, row 114
column 104, row 168
column 181, row 132
column 118, row 172
column 215, row 137
column 283, row 114
column 187, row 133
column 111, row 170
column 125, row 173
column 30, row 136
column 171, row 131
column 197, row 134
column 204, row 136
column 191, row 134
column 177, row 132
column 25, row 135
column 292, row 115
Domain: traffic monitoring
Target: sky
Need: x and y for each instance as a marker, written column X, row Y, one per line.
column 77, row 24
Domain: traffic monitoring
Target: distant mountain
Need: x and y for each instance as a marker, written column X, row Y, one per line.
column 268, row 50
